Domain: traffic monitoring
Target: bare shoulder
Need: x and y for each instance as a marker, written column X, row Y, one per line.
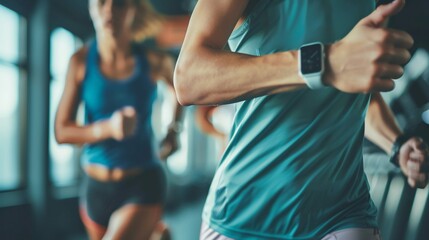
column 162, row 66
column 157, row 59
column 77, row 65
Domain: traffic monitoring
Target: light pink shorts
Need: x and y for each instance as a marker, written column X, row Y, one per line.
column 346, row 234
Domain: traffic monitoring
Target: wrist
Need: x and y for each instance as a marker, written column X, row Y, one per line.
column 175, row 127
column 396, row 147
column 110, row 126
column 328, row 76
column 96, row 131
column 101, row 130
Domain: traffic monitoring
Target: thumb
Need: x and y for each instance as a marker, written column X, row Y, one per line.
column 379, row 17
column 129, row 111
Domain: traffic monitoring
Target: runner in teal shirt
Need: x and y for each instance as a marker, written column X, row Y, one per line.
column 311, row 158
column 293, row 167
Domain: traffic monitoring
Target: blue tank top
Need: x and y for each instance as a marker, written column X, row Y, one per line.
column 103, row 96
column 294, row 167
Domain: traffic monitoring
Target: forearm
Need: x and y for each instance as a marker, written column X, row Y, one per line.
column 209, row 76
column 380, row 125
column 176, row 123
column 178, row 112
column 170, row 143
column 74, row 134
column 209, row 129
column 202, row 117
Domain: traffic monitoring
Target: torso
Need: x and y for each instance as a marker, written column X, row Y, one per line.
column 116, row 72
column 123, row 72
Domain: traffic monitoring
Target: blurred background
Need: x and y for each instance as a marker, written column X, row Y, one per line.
column 39, row 179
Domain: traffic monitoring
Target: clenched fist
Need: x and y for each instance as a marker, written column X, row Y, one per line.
column 371, row 55
column 123, row 123
column 414, row 162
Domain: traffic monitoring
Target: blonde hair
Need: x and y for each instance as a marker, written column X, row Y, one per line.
column 147, row 22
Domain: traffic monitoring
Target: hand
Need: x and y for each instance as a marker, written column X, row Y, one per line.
column 123, row 123
column 414, row 162
column 169, row 145
column 370, row 56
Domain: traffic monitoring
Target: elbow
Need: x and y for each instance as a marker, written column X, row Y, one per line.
column 60, row 139
column 59, row 135
column 186, row 84
column 182, row 85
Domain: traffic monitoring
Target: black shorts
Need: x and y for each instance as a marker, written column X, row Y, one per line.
column 100, row 199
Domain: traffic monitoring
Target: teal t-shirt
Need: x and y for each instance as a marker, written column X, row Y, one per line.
column 293, row 168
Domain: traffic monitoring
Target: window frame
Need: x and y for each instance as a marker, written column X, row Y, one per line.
column 21, row 65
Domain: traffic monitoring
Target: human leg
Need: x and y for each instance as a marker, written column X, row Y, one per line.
column 133, row 221
column 114, row 208
column 95, row 231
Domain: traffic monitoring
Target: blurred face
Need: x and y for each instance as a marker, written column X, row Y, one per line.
column 112, row 17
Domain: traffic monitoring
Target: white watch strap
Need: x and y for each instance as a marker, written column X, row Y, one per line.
column 314, row 82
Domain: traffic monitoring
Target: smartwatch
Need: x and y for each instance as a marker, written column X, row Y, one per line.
column 312, row 64
column 394, row 156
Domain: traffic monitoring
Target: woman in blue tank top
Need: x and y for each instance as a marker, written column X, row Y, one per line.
column 115, row 79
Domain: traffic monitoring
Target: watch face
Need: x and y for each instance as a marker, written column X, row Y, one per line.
column 311, row 59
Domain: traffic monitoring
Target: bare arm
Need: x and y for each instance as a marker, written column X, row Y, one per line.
column 381, row 128
column 168, row 71
column 380, row 125
column 66, row 128
column 163, row 67
column 206, row 74
column 202, row 117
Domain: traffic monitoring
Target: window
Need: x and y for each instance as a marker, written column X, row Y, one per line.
column 11, row 99
column 64, row 158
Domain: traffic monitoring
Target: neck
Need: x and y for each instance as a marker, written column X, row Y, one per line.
column 112, row 49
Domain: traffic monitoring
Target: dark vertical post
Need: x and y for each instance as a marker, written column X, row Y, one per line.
column 38, row 115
